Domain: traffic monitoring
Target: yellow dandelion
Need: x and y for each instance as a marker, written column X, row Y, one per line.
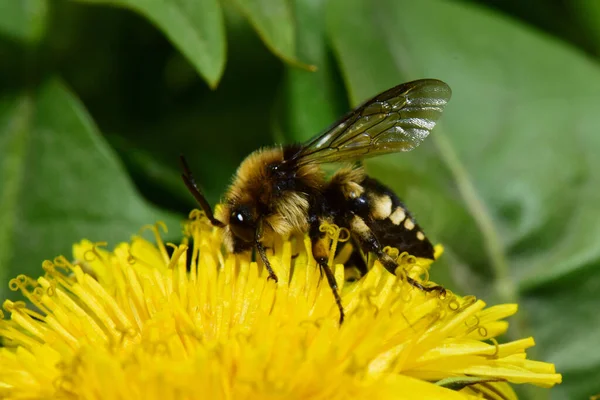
column 141, row 322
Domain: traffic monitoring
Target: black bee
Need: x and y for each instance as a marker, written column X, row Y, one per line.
column 282, row 190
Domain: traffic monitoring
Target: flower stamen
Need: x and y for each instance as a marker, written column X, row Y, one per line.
column 137, row 323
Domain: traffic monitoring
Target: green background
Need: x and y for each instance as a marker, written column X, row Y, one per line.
column 98, row 98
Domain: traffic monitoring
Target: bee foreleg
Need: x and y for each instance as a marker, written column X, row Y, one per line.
column 320, row 252
column 263, row 255
column 370, row 244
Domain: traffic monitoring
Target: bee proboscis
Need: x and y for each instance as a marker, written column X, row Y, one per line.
column 283, row 190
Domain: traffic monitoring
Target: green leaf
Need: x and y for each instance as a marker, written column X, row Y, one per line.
column 24, row 20
column 60, row 183
column 587, row 13
column 195, row 27
column 274, row 22
column 215, row 130
column 152, row 175
column 517, row 146
column 312, row 96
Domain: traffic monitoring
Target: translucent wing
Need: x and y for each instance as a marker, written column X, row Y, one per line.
column 398, row 119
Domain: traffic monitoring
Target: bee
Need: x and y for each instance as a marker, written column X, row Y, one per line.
column 284, row 190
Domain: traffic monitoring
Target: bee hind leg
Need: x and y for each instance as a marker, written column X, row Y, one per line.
column 370, row 244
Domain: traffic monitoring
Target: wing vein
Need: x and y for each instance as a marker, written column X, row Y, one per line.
column 411, row 110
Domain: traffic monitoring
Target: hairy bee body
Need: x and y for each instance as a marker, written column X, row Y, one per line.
column 266, row 185
column 289, row 198
column 283, row 190
column 380, row 209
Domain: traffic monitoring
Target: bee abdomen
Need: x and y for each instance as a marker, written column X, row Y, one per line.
column 389, row 219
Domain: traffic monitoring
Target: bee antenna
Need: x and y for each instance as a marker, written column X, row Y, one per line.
column 190, row 182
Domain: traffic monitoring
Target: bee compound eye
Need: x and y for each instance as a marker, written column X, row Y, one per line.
column 241, row 225
column 237, row 217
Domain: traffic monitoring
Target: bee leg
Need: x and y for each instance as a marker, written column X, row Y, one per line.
column 320, row 252
column 370, row 244
column 334, row 287
column 263, row 255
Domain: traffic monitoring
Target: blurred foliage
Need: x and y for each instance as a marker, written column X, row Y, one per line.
column 98, row 99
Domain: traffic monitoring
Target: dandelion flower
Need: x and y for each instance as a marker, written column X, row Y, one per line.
column 141, row 322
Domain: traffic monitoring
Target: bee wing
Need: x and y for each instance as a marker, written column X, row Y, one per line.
column 398, row 119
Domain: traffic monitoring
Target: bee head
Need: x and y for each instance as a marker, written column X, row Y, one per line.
column 242, row 222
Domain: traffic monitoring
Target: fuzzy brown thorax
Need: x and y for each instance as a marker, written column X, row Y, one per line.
column 273, row 191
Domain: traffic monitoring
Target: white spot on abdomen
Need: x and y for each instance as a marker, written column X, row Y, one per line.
column 398, row 215
column 382, row 207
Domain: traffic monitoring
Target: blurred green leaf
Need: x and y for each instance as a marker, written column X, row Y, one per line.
column 517, row 146
column 60, row 182
column 24, row 20
column 195, row 27
column 214, row 129
column 274, row 22
column 588, row 15
column 313, row 101
column 153, row 175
